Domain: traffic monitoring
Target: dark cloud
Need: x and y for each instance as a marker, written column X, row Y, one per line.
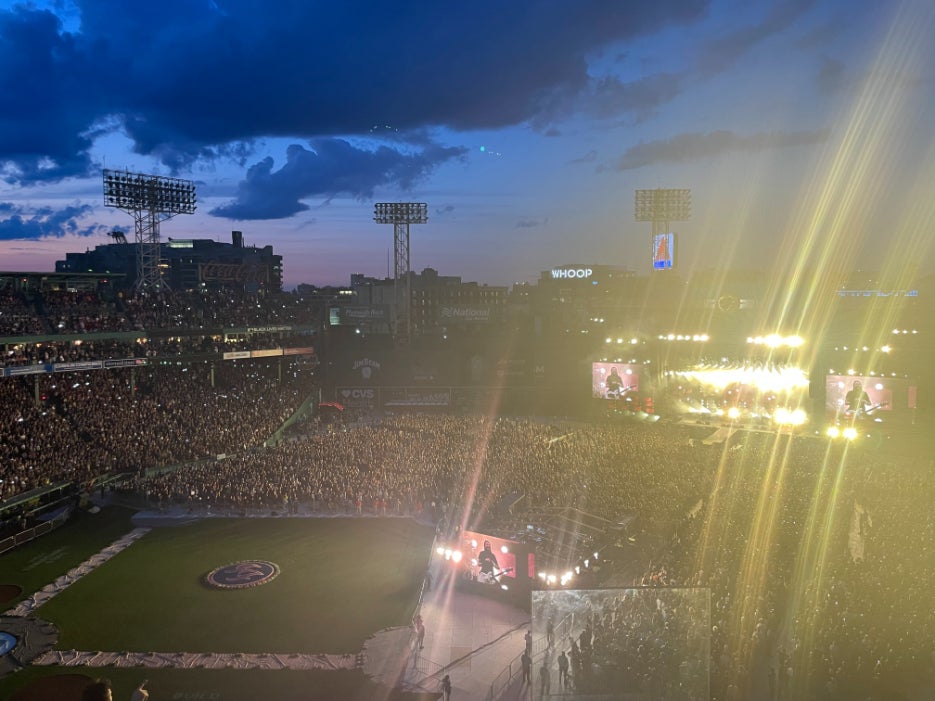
column 186, row 79
column 332, row 167
column 447, row 209
column 831, row 76
column 693, row 147
column 589, row 157
column 19, row 223
column 723, row 52
column 640, row 98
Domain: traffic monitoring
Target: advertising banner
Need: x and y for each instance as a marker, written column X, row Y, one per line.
column 266, row 353
column 25, row 370
column 80, row 365
column 125, row 362
column 359, row 397
column 235, row 355
column 416, row 397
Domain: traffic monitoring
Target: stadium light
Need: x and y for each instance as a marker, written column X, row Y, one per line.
column 150, row 199
column 401, row 215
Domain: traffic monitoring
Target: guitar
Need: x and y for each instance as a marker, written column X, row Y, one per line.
column 492, row 577
column 864, row 411
column 617, row 393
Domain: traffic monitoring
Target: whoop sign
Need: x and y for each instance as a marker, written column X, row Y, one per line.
column 571, row 273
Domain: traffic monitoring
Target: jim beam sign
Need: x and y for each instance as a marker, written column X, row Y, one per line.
column 366, row 368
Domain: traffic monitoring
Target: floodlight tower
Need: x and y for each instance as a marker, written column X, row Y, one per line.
column 401, row 215
column 662, row 206
column 149, row 199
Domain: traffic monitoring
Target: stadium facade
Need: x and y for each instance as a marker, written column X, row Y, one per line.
column 188, row 264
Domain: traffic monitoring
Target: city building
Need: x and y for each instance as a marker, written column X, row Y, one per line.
column 188, row 264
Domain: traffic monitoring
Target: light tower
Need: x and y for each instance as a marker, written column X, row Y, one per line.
column 401, row 215
column 150, row 199
column 661, row 207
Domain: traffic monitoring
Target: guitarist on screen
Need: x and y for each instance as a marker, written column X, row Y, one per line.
column 857, row 401
column 487, row 560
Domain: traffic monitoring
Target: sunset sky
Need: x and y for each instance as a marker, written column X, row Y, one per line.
column 803, row 129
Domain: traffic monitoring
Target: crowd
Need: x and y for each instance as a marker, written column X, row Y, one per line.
column 816, row 557
column 45, row 352
column 87, row 312
column 86, row 425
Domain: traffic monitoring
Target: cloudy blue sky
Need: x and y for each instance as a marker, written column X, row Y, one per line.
column 802, row 127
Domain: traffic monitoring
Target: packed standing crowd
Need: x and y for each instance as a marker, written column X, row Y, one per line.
column 87, row 425
column 814, row 557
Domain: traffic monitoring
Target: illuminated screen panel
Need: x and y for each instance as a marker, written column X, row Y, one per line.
column 641, row 638
column 664, row 251
column 614, row 380
column 868, row 394
column 496, row 563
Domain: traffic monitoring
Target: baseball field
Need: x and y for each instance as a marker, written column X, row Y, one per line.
column 337, row 581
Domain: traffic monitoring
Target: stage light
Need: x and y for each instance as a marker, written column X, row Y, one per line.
column 447, row 553
column 456, row 556
column 733, row 413
column 833, row 432
column 850, row 433
column 473, row 543
column 504, row 549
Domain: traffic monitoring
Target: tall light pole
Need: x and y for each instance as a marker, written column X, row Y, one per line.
column 662, row 206
column 149, row 199
column 401, row 215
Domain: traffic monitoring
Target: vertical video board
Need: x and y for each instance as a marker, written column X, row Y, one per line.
column 664, row 251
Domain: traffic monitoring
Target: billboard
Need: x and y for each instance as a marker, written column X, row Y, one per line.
column 664, row 251
column 614, row 380
column 352, row 315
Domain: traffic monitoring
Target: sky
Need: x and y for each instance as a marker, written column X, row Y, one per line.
column 801, row 127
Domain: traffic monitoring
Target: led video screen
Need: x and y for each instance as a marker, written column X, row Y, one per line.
column 497, row 563
column 664, row 251
column 864, row 395
column 614, row 380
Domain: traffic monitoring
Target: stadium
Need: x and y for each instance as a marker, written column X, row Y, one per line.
column 227, row 496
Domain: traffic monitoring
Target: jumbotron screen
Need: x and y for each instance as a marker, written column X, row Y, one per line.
column 497, row 562
column 664, row 251
column 614, row 380
column 868, row 395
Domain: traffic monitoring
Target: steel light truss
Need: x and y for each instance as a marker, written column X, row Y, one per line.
column 401, row 215
column 663, row 205
column 149, row 199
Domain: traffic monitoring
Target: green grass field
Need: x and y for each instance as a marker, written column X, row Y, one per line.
column 340, row 581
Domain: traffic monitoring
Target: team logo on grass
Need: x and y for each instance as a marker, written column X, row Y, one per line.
column 243, row 574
